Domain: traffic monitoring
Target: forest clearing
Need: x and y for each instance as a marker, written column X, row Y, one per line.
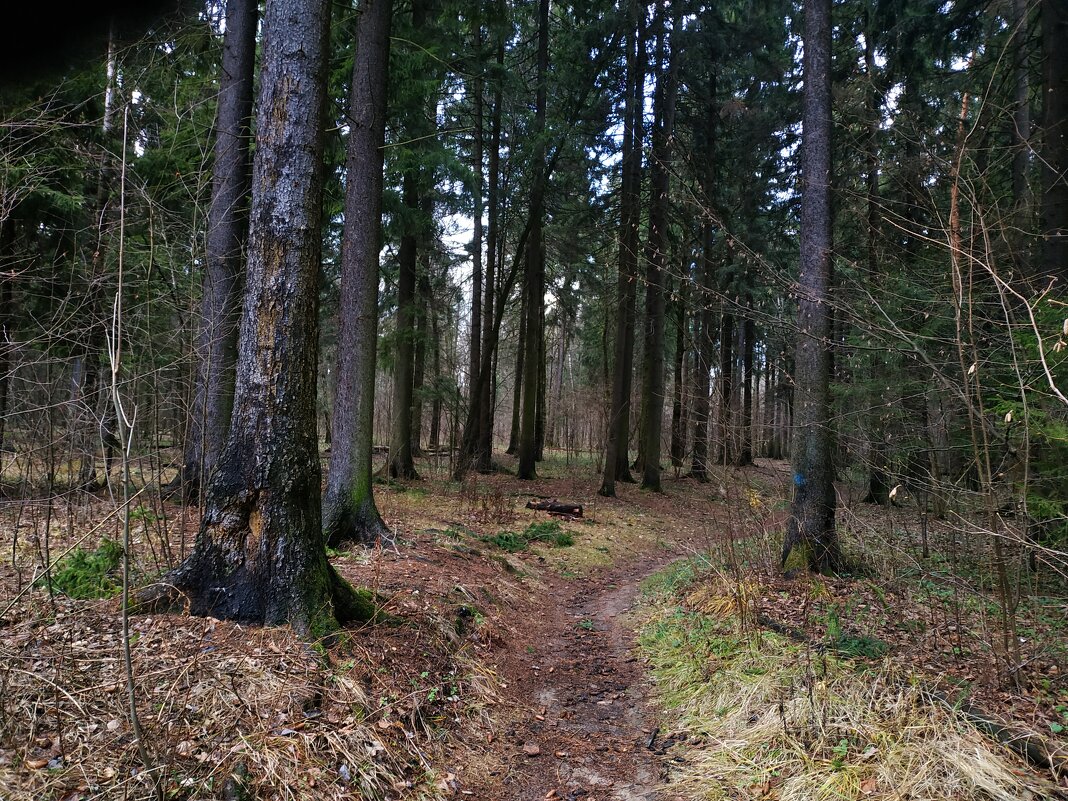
column 547, row 401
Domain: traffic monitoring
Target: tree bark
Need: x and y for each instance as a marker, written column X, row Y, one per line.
column 725, row 387
column 259, row 556
column 517, row 386
column 489, row 339
column 349, row 510
column 401, row 462
column 663, row 130
column 475, row 344
column 745, row 440
column 678, row 416
column 617, row 456
column 227, row 230
column 534, row 281
column 813, row 508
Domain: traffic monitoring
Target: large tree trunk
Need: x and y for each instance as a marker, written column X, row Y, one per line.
column 617, row 456
column 1054, row 207
column 534, row 281
column 7, row 276
column 663, row 130
column 259, row 556
column 813, row 509
column 349, row 511
column 227, row 229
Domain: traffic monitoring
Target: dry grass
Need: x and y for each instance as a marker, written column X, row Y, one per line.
column 766, row 718
column 211, row 696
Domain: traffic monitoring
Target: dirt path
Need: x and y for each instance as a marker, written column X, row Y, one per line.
column 584, row 728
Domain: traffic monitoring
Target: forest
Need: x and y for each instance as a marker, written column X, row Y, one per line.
column 601, row 400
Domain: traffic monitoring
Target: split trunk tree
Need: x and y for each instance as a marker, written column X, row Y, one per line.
column 349, row 511
column 227, row 229
column 259, row 555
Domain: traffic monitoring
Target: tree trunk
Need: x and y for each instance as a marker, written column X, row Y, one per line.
column 475, row 344
column 813, row 508
column 663, row 130
column 745, row 440
column 1054, row 208
column 7, row 317
column 706, row 318
column 259, row 556
column 401, row 462
column 534, row 281
column 725, row 387
column 227, row 230
column 617, row 456
column 543, row 373
column 517, row 386
column 349, row 511
column 678, row 417
column 489, row 340
column 423, row 302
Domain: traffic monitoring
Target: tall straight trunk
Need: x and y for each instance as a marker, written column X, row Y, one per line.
column 349, row 511
column 706, row 318
column 88, row 423
column 617, row 455
column 725, row 388
column 227, row 230
column 678, row 417
column 475, row 345
column 534, row 275
column 435, row 404
column 1021, row 132
column 745, row 439
column 487, row 383
column 1053, row 224
column 813, row 508
column 401, row 458
column 659, row 179
column 259, row 555
column 543, row 374
column 878, row 481
column 424, row 301
column 7, row 317
column 517, row 386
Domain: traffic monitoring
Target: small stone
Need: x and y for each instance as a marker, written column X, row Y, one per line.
column 531, row 748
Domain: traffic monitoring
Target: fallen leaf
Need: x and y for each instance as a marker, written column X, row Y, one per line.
column 531, row 748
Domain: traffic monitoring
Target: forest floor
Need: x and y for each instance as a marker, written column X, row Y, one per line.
column 532, row 658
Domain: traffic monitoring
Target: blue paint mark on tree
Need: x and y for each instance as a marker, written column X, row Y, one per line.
column 799, row 480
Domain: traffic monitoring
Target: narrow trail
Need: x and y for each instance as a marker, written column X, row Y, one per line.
column 589, row 735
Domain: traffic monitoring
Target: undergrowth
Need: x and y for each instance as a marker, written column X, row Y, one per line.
column 86, row 574
column 765, row 716
column 549, row 532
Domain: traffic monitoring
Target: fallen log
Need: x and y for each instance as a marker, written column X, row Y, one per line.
column 555, row 507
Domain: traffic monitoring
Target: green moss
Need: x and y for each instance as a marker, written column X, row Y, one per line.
column 90, row 574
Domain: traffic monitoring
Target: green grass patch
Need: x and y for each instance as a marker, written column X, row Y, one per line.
column 549, row 532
